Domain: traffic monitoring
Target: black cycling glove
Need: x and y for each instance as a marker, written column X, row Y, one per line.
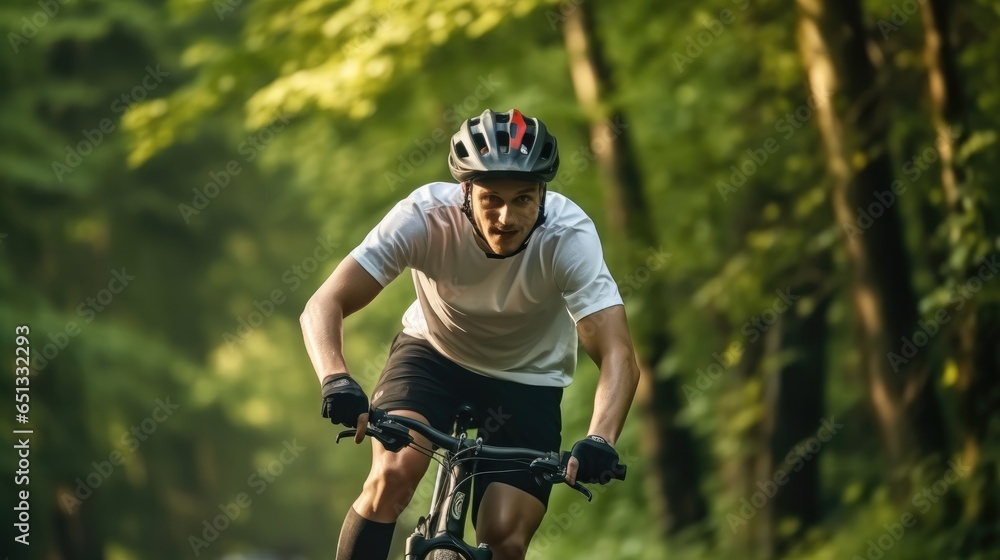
column 598, row 461
column 343, row 400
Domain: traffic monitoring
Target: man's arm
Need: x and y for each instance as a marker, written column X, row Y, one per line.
column 605, row 337
column 347, row 290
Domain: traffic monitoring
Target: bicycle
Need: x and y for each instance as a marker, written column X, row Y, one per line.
column 440, row 534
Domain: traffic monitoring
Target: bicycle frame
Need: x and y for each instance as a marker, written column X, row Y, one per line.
column 444, row 526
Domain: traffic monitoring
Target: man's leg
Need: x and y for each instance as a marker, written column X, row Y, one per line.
column 508, row 518
column 418, row 383
column 511, row 505
column 367, row 530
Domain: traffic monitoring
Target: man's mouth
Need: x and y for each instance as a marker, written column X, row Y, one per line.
column 505, row 234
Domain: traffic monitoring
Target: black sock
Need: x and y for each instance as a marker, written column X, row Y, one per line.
column 363, row 539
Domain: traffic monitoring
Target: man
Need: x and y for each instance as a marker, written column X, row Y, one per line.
column 503, row 271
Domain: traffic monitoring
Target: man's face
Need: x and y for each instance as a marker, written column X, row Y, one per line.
column 505, row 210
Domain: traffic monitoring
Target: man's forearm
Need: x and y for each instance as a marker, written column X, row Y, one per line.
column 615, row 391
column 347, row 290
column 323, row 332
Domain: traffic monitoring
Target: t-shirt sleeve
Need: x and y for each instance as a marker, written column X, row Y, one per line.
column 398, row 241
column 581, row 273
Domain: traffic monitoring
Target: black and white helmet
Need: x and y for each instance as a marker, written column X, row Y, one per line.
column 503, row 146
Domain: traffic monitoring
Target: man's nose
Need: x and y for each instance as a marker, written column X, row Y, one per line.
column 502, row 216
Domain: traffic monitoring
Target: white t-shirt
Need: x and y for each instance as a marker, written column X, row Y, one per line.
column 512, row 318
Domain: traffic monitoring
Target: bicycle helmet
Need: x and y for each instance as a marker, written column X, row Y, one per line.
column 503, row 146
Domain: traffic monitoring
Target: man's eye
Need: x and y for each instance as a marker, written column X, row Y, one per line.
column 524, row 199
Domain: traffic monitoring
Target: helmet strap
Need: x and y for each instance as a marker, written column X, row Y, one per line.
column 467, row 210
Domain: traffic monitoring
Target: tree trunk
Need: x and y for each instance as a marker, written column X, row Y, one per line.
column 76, row 535
column 946, row 96
column 832, row 42
column 675, row 470
column 980, row 405
column 780, row 476
column 77, row 531
column 798, row 389
column 973, row 342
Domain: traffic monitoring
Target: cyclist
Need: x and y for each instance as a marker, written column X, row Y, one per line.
column 503, row 271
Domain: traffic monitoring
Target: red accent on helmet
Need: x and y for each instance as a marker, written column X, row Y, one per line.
column 518, row 133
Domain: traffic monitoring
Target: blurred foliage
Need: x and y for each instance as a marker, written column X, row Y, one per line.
column 272, row 129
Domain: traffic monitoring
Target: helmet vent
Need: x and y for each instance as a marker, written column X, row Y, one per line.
column 502, row 118
column 546, row 151
column 503, row 141
column 528, row 141
column 474, row 121
column 460, row 150
column 480, row 141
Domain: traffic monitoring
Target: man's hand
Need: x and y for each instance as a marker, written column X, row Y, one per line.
column 343, row 400
column 594, row 461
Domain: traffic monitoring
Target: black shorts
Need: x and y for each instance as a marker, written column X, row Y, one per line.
column 418, row 378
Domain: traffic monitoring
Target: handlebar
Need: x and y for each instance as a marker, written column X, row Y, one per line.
column 394, row 433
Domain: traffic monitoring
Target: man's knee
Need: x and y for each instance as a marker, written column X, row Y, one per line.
column 506, row 546
column 509, row 541
column 507, row 519
column 390, row 487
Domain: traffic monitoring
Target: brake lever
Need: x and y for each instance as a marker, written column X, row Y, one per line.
column 583, row 490
column 559, row 476
column 346, row 433
column 578, row 486
column 357, row 433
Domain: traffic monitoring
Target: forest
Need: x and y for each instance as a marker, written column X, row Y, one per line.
column 793, row 196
